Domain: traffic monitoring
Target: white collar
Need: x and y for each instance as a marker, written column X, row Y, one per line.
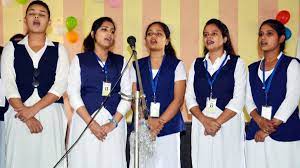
column 278, row 57
column 24, row 41
column 206, row 58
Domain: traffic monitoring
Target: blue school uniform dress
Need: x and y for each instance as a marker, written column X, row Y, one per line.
column 281, row 148
column 159, row 88
column 30, row 75
column 86, row 81
column 228, row 83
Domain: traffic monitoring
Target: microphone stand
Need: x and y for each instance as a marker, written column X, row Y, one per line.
column 141, row 111
column 143, row 107
column 136, row 129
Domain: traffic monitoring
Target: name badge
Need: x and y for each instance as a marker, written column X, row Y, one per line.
column 154, row 109
column 106, row 88
column 211, row 105
column 266, row 112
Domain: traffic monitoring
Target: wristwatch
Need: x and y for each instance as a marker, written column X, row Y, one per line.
column 114, row 122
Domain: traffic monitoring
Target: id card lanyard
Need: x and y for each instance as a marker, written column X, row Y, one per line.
column 154, row 81
column 211, row 81
column 267, row 85
column 106, row 86
column 104, row 68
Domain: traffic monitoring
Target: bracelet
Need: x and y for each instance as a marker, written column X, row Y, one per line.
column 115, row 123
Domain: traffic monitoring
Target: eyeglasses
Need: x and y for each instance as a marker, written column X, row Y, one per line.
column 35, row 82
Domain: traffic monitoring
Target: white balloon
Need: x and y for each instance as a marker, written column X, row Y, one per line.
column 171, row 28
column 59, row 29
column 6, row 2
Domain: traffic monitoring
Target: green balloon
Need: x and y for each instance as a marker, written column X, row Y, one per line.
column 71, row 23
column 23, row 2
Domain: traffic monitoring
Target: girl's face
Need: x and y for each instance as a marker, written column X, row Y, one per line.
column 155, row 38
column 105, row 35
column 268, row 39
column 37, row 19
column 213, row 39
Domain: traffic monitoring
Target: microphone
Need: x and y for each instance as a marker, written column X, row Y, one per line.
column 131, row 41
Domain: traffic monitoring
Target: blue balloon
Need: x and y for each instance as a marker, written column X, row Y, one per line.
column 288, row 33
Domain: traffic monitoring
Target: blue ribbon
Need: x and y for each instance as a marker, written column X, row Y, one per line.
column 211, row 81
column 267, row 85
column 155, row 80
column 105, row 67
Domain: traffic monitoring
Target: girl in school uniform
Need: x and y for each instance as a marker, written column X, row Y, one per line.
column 34, row 73
column 273, row 137
column 163, row 78
column 215, row 96
column 92, row 76
column 3, row 109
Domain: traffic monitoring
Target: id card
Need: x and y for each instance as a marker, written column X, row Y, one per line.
column 266, row 112
column 154, row 109
column 106, row 88
column 211, row 105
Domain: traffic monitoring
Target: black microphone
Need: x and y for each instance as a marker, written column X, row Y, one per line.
column 131, row 41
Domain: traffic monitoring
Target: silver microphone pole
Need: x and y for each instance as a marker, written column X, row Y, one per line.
column 140, row 104
column 136, row 129
column 140, row 108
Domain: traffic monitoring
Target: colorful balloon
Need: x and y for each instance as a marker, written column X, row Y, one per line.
column 288, row 33
column 71, row 23
column 283, row 16
column 6, row 3
column 59, row 29
column 23, row 2
column 72, row 36
column 114, row 3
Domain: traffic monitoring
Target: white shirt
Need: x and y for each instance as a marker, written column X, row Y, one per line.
column 180, row 73
column 2, row 94
column 74, row 86
column 292, row 97
column 8, row 72
column 236, row 104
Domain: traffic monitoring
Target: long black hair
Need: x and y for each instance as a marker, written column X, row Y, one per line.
column 169, row 50
column 278, row 27
column 89, row 41
column 225, row 33
column 38, row 2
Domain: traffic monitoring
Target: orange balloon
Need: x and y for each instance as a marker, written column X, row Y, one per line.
column 72, row 36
